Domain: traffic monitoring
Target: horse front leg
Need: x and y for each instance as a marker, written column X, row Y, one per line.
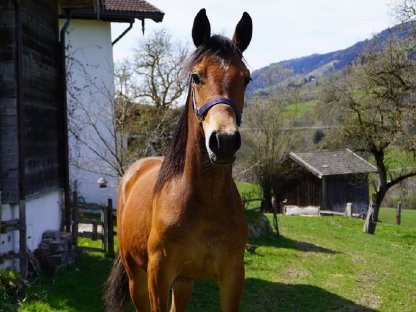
column 181, row 294
column 160, row 279
column 231, row 285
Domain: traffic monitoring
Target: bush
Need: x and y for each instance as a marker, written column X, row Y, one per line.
column 12, row 288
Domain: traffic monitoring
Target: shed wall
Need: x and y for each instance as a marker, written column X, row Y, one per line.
column 305, row 191
column 36, row 86
column 341, row 190
column 9, row 158
column 42, row 106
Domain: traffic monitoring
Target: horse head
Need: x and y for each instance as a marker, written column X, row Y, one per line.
column 219, row 78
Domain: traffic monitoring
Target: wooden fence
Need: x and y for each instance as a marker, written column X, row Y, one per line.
column 101, row 218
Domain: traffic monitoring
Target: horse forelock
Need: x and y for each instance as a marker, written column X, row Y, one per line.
column 174, row 160
column 217, row 45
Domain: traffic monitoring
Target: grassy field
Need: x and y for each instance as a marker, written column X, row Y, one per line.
column 317, row 264
column 388, row 216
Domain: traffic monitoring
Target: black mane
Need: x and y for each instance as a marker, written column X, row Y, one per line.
column 174, row 161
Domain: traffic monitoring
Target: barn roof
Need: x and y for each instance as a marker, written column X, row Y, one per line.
column 120, row 11
column 327, row 163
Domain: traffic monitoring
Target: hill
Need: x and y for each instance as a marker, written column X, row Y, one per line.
column 315, row 66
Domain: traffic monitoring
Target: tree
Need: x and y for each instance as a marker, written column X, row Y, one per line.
column 404, row 10
column 156, row 70
column 375, row 99
column 269, row 139
column 153, row 84
column 139, row 111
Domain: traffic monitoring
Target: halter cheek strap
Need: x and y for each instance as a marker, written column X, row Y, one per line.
column 200, row 112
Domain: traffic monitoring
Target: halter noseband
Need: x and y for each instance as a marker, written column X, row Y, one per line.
column 200, row 112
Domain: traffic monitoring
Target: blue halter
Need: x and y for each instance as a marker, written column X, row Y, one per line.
column 200, row 112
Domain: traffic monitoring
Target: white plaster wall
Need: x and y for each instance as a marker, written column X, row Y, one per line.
column 43, row 213
column 90, row 73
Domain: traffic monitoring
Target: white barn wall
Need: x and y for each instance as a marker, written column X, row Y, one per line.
column 43, row 213
column 90, row 72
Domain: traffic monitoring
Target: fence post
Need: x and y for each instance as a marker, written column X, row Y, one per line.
column 75, row 219
column 399, row 213
column 110, row 228
column 104, row 219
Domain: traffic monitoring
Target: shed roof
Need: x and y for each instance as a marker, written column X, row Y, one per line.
column 121, row 11
column 327, row 163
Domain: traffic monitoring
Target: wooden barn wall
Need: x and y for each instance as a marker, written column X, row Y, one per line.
column 341, row 190
column 305, row 191
column 40, row 95
column 9, row 157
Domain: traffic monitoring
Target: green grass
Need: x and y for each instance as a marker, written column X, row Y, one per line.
column 388, row 216
column 300, row 109
column 317, row 264
column 250, row 190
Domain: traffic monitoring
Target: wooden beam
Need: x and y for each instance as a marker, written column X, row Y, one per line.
column 77, row 4
column 9, row 225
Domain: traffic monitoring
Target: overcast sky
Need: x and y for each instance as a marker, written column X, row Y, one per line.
column 283, row 29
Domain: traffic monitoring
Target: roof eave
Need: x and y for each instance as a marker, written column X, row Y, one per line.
column 349, row 173
column 369, row 164
column 118, row 16
column 300, row 161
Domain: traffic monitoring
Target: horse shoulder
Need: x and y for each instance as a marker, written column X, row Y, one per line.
column 134, row 173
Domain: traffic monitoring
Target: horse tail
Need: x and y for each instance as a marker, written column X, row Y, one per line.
column 116, row 293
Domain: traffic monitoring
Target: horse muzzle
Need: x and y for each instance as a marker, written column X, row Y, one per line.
column 222, row 147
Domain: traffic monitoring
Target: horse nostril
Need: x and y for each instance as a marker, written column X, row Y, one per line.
column 224, row 143
column 214, row 143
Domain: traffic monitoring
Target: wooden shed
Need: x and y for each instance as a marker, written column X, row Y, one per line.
column 328, row 180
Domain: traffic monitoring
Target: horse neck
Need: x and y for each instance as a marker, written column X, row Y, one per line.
column 205, row 178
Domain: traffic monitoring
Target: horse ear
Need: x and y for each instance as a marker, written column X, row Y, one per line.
column 201, row 31
column 243, row 32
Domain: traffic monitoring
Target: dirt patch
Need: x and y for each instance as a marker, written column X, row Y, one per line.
column 294, row 274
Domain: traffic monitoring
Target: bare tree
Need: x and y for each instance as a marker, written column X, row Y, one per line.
column 139, row 112
column 404, row 10
column 269, row 139
column 375, row 99
column 157, row 70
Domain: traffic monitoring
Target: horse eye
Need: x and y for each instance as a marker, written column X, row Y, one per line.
column 196, row 79
column 247, row 81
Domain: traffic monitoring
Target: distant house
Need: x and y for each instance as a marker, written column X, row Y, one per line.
column 90, row 92
column 328, row 180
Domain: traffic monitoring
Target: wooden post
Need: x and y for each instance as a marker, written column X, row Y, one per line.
column 94, row 230
column 22, row 238
column 104, row 219
column 348, row 210
column 74, row 219
column 323, row 205
column 1, row 210
column 110, row 228
column 399, row 213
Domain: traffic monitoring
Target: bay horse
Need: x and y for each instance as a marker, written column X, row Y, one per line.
column 180, row 218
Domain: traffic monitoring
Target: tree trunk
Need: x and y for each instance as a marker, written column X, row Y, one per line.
column 372, row 213
column 266, row 204
column 377, row 198
column 277, row 202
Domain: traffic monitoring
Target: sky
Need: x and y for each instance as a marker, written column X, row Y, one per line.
column 282, row 29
